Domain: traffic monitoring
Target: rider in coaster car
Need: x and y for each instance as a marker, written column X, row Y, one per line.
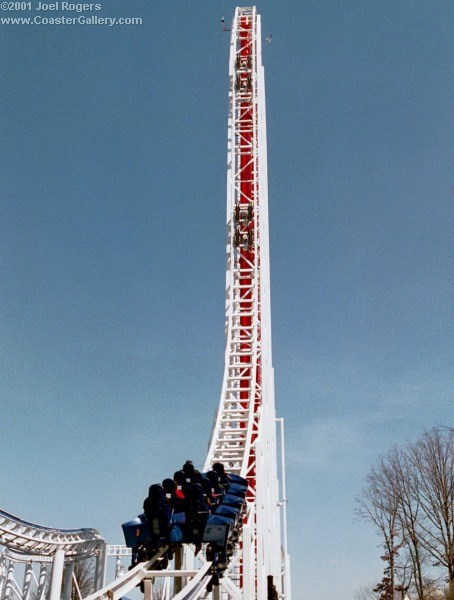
column 158, row 514
column 216, row 490
column 223, row 477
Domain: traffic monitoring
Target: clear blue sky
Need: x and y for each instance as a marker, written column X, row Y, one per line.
column 112, row 230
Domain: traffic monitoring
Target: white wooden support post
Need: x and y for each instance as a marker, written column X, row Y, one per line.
column 248, row 564
column 28, row 574
column 117, row 566
column 101, row 561
column 148, row 589
column 189, row 558
column 57, row 575
column 2, row 574
column 42, row 582
column 286, row 575
column 9, row 581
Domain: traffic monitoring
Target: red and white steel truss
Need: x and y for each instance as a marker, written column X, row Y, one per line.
column 244, row 434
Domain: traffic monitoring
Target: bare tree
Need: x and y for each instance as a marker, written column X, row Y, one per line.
column 449, row 592
column 399, row 473
column 378, row 504
column 83, row 578
column 410, row 495
column 432, row 462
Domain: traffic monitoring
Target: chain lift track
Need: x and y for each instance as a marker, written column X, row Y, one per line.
column 244, row 432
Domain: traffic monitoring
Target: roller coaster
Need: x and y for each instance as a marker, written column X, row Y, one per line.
column 240, row 550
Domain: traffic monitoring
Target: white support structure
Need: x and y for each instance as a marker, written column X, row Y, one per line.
column 34, row 575
column 244, row 434
column 31, row 539
column 118, row 551
column 36, row 546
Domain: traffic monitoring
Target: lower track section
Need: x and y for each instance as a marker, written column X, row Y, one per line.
column 179, row 584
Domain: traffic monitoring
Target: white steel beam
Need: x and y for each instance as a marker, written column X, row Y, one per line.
column 244, row 433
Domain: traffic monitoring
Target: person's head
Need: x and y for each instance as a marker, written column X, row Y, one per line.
column 180, row 478
column 155, row 491
column 213, row 478
column 169, row 486
column 219, row 468
column 189, row 470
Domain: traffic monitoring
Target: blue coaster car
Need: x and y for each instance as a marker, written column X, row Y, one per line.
column 218, row 534
column 218, row 529
column 231, row 500
column 234, row 514
column 136, row 532
column 235, row 489
column 223, row 510
column 238, row 479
